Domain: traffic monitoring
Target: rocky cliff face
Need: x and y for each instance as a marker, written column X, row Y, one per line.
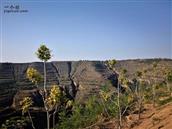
column 79, row 79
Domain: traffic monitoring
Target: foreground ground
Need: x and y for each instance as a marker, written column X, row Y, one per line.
column 151, row 118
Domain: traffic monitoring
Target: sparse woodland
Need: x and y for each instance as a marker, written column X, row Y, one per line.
column 129, row 97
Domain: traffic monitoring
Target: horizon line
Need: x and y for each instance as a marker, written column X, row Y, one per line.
column 92, row 60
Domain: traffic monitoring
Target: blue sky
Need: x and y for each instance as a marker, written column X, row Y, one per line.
column 87, row 30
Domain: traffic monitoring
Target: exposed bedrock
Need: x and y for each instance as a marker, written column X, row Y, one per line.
column 80, row 79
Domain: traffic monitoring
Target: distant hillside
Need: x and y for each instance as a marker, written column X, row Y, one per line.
column 79, row 79
column 132, row 66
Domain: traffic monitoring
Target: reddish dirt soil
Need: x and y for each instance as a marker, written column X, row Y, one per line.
column 151, row 118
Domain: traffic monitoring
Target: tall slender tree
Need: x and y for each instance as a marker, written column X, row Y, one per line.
column 139, row 92
column 154, row 66
column 44, row 54
column 53, row 100
column 111, row 64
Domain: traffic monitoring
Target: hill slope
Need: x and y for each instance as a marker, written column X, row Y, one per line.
column 132, row 66
column 80, row 79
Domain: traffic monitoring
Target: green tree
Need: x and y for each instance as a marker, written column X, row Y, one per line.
column 121, row 80
column 25, row 105
column 154, row 66
column 139, row 92
column 116, row 105
column 34, row 76
column 111, row 63
column 44, row 54
column 53, row 100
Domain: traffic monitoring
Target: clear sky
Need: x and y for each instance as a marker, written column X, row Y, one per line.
column 87, row 29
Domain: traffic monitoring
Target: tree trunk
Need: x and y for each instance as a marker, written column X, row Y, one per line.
column 48, row 121
column 54, row 117
column 140, row 107
column 153, row 95
column 45, row 76
column 45, row 96
column 104, row 107
column 119, row 108
column 139, row 97
column 31, row 120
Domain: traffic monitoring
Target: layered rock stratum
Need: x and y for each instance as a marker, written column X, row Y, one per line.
column 80, row 79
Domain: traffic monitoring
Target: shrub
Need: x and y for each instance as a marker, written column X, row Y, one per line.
column 16, row 123
column 81, row 116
